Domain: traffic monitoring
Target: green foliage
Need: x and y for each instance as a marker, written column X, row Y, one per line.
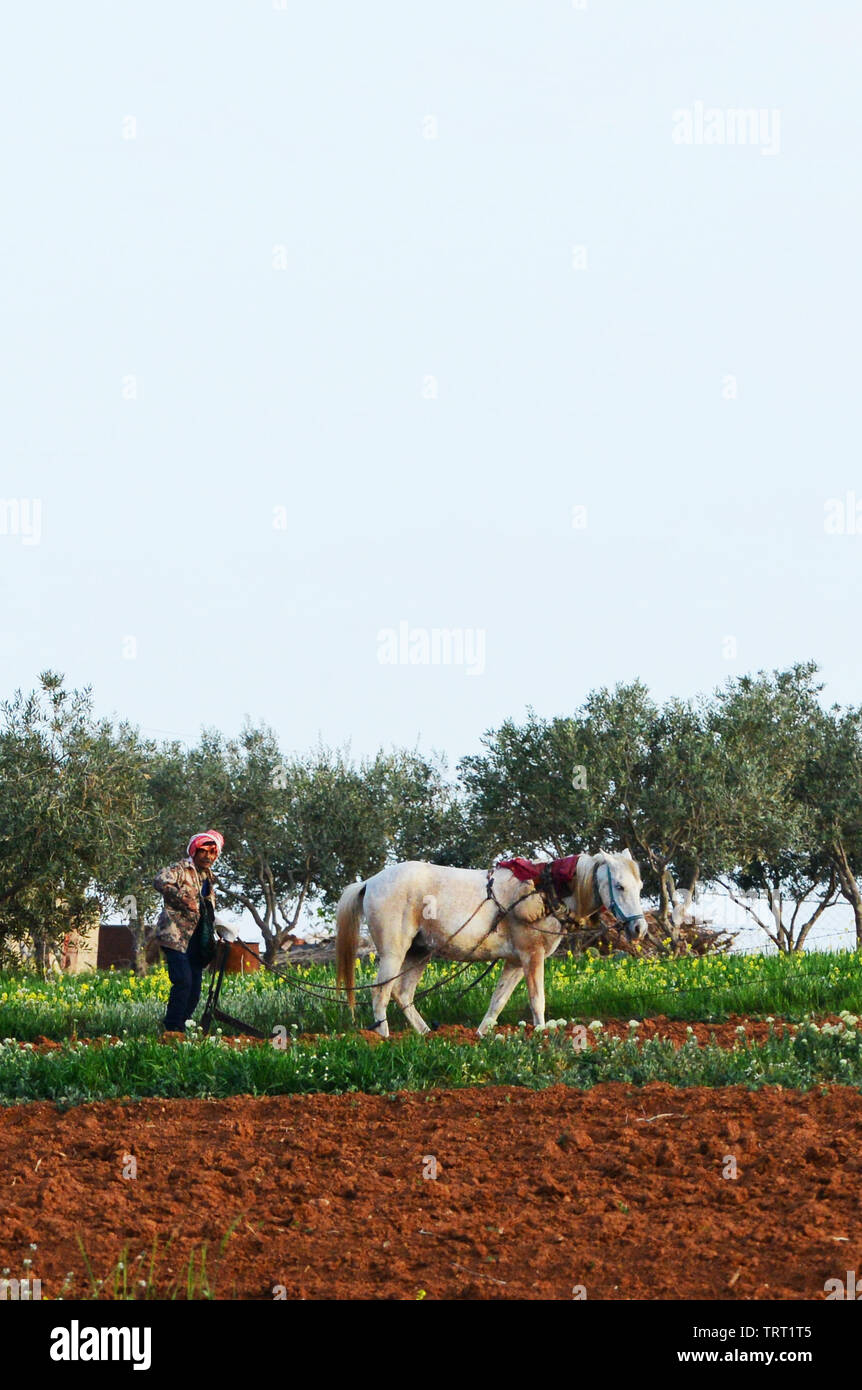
column 422, row 814
column 663, row 776
column 73, row 813
column 829, row 785
column 303, row 827
column 620, row 772
column 780, row 840
column 294, row 828
column 762, row 723
column 757, row 784
column 521, row 793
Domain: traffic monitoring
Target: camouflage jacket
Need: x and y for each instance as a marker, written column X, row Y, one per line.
column 180, row 886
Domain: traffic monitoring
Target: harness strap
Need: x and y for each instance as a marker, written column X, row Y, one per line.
column 547, row 892
column 615, row 907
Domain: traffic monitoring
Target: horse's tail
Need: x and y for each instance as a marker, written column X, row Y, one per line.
column 348, row 915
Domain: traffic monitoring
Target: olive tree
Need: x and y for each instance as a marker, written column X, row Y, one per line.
column 621, row 772
column 531, row 791
column 829, row 785
column 73, row 813
column 296, row 829
column 765, row 723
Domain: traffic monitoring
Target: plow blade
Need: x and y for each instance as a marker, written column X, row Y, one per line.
column 210, row 1014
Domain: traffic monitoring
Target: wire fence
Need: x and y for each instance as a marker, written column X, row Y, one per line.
column 722, row 911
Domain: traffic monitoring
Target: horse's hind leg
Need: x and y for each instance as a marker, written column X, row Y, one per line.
column 510, row 975
column 404, row 988
column 388, row 971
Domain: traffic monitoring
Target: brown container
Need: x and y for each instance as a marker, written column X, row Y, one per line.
column 239, row 961
column 116, row 948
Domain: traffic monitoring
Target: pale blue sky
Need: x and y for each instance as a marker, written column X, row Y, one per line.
column 409, row 257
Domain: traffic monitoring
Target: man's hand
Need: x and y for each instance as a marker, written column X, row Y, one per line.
column 173, row 899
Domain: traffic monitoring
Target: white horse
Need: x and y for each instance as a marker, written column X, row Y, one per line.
column 415, row 909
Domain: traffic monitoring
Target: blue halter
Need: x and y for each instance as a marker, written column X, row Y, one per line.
column 621, row 916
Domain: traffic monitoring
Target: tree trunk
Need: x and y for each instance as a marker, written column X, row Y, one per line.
column 665, row 899
column 40, row 953
column 139, row 964
column 826, row 901
column 740, row 902
column 849, row 887
column 776, row 907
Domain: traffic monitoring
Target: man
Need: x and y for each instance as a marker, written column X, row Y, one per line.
column 187, row 918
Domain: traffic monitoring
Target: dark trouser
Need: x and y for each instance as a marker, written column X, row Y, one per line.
column 185, row 972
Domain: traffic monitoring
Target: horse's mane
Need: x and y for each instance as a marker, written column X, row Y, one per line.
column 584, row 886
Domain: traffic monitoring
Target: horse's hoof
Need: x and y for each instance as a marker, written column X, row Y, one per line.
column 433, row 1027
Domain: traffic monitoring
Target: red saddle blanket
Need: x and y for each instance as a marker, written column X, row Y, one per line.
column 530, row 870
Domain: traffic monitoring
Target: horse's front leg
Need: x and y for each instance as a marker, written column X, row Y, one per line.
column 533, row 962
column 510, row 975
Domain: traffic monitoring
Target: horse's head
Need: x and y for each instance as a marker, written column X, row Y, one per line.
column 618, row 883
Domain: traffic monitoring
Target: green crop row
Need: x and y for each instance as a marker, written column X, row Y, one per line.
column 134, row 1068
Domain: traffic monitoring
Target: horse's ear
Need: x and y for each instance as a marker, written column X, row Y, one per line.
column 627, row 854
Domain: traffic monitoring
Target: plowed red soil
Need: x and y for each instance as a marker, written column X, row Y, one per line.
column 618, row 1191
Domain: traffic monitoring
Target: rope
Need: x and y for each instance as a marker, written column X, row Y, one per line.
column 338, row 990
